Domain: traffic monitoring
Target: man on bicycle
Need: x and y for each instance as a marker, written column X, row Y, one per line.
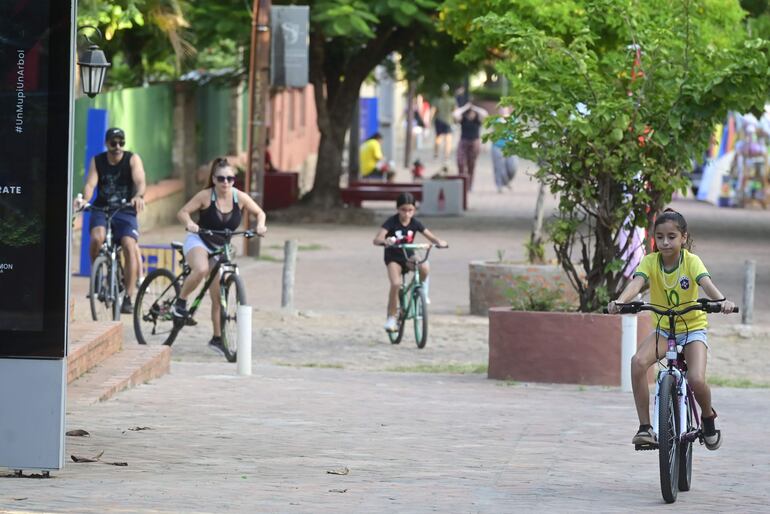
column 118, row 176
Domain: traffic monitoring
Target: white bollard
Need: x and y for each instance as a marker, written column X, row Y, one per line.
column 627, row 350
column 244, row 340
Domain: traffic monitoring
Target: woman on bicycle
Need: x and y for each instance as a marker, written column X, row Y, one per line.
column 401, row 228
column 673, row 274
column 219, row 207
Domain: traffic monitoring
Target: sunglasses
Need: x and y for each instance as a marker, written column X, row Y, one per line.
column 222, row 178
column 115, row 143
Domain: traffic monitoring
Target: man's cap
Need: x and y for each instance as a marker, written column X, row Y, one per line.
column 114, row 133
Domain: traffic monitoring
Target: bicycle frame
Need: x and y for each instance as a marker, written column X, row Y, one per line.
column 110, row 248
column 407, row 290
column 677, row 367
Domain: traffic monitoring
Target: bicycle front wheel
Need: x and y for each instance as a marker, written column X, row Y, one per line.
column 395, row 337
column 99, row 290
column 668, row 438
column 153, row 317
column 234, row 296
column 420, row 318
column 685, row 453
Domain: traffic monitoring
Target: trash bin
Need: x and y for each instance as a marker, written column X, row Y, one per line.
column 442, row 198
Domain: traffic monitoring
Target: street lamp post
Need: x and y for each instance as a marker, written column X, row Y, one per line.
column 93, row 66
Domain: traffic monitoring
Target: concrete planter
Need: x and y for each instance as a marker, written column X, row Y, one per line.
column 489, row 282
column 557, row 347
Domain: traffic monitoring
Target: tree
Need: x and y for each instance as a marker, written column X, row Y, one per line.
column 348, row 39
column 613, row 98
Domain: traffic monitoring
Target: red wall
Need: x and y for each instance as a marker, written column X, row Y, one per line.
column 293, row 130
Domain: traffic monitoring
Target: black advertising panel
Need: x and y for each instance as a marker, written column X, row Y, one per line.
column 35, row 81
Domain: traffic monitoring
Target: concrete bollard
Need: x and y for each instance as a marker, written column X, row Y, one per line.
column 289, row 264
column 749, row 278
column 244, row 340
column 627, row 350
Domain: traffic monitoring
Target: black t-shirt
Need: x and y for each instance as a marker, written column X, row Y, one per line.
column 115, row 181
column 403, row 234
column 470, row 128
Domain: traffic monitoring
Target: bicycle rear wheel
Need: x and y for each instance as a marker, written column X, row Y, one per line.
column 685, row 453
column 395, row 337
column 420, row 318
column 234, row 296
column 153, row 318
column 99, row 293
column 668, row 439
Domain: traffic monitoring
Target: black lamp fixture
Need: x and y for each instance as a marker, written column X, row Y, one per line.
column 93, row 65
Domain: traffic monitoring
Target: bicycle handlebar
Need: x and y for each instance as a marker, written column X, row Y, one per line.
column 701, row 304
column 248, row 234
column 416, row 246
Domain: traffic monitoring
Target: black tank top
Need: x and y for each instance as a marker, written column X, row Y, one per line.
column 115, row 182
column 214, row 219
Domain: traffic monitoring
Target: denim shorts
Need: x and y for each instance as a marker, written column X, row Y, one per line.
column 685, row 339
column 124, row 224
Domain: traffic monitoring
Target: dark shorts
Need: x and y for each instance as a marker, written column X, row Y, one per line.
column 441, row 127
column 123, row 224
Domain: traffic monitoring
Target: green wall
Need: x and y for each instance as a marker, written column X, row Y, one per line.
column 146, row 114
column 213, row 128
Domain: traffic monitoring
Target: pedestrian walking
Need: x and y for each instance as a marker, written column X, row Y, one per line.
column 470, row 118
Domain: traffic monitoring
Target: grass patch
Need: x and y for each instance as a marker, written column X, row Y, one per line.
column 740, row 383
column 507, row 383
column 311, row 247
column 269, row 258
column 456, row 369
column 319, row 365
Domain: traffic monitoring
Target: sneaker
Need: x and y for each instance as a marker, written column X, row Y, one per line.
column 645, row 436
column 126, row 308
column 216, row 345
column 179, row 312
column 391, row 325
column 712, row 437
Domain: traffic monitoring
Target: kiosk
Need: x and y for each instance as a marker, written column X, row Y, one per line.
column 36, row 64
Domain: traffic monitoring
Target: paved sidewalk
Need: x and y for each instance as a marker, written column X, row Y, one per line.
column 414, row 443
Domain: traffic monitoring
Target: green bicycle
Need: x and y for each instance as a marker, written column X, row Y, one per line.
column 412, row 299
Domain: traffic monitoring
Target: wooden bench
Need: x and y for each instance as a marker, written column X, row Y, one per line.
column 357, row 192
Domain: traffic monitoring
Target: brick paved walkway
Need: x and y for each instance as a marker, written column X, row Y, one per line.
column 411, row 443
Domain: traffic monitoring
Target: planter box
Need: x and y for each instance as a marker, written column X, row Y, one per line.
column 557, row 347
column 489, row 282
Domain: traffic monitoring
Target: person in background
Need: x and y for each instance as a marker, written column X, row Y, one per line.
column 504, row 166
column 442, row 124
column 470, row 118
column 372, row 163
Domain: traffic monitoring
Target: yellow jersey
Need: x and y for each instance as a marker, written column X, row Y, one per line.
column 369, row 155
column 677, row 286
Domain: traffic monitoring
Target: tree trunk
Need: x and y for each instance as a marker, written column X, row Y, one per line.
column 536, row 249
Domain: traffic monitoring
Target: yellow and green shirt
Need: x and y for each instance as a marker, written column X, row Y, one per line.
column 677, row 286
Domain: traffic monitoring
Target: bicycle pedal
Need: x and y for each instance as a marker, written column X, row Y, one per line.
column 645, row 447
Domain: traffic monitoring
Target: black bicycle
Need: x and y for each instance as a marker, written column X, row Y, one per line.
column 675, row 415
column 154, row 322
column 107, row 288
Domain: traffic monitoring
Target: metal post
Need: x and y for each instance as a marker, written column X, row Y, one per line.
column 409, row 123
column 749, row 277
column 244, row 339
column 627, row 350
column 259, row 84
column 289, row 264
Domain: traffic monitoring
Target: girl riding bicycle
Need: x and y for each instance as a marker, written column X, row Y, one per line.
column 673, row 274
column 401, row 228
column 219, row 207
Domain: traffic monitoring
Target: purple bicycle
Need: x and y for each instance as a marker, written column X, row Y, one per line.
column 675, row 416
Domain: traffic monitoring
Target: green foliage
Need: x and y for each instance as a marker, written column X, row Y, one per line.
column 536, row 294
column 612, row 135
column 17, row 229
